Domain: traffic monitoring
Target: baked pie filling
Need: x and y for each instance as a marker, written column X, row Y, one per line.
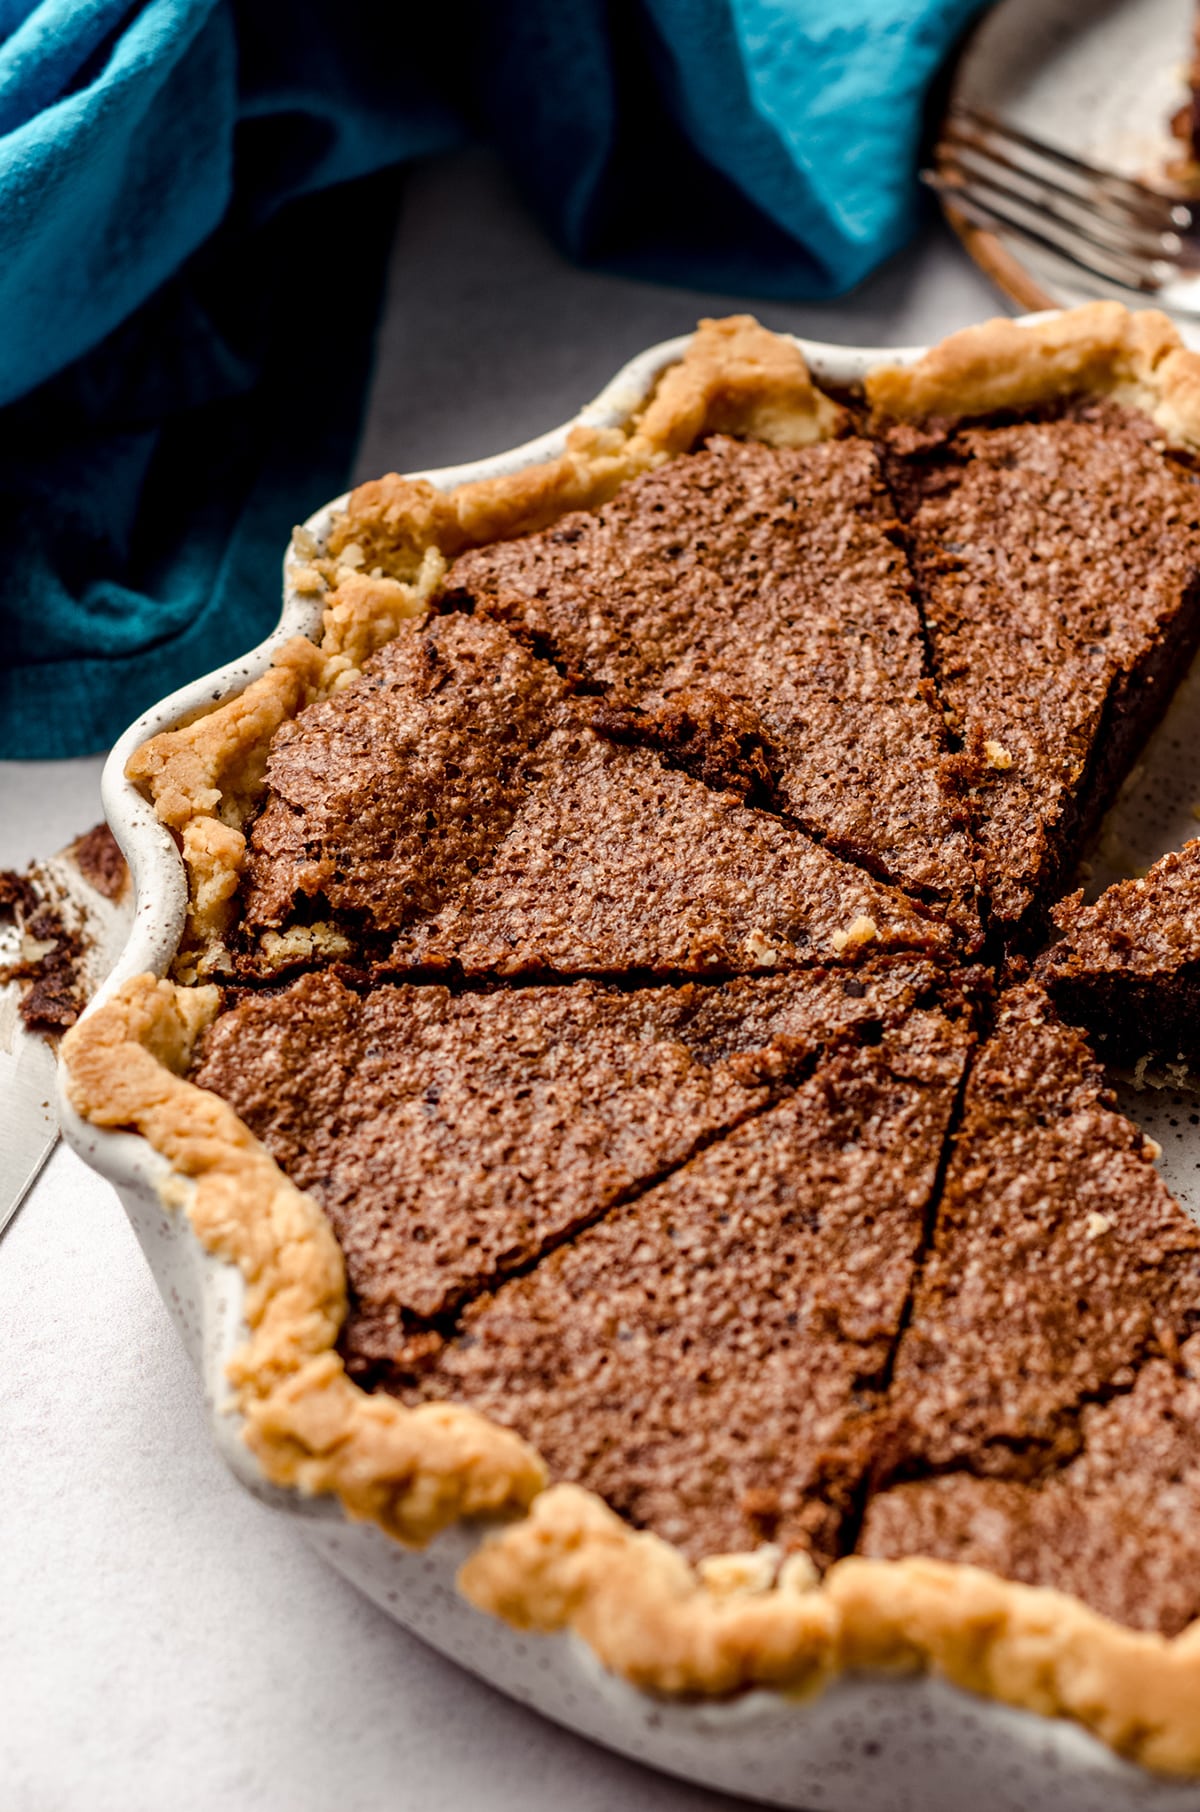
column 1128, row 966
column 615, row 934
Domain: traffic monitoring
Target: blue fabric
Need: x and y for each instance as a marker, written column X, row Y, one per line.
column 169, row 175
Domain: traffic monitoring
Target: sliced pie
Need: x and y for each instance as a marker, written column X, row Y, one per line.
column 770, row 576
column 604, row 1096
column 451, row 808
column 710, row 1358
column 453, row 1138
column 1058, row 1262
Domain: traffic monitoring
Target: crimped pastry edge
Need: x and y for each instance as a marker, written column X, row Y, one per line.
column 568, row 1562
column 1101, row 348
column 306, row 1422
column 736, row 1622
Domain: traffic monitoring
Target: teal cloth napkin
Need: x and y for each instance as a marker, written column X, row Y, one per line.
column 196, row 198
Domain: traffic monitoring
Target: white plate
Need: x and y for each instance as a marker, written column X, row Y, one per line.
column 864, row 1745
column 1100, row 78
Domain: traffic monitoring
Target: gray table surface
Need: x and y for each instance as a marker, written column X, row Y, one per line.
column 164, row 1642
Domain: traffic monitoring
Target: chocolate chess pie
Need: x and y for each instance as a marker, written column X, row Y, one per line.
column 603, row 1030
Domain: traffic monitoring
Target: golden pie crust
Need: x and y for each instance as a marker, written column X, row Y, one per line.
column 560, row 1559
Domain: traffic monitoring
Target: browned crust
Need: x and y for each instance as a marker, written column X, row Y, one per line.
column 734, row 378
column 736, row 1622
column 1137, row 358
column 569, row 1563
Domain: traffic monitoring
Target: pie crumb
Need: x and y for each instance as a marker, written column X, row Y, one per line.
column 306, row 581
column 798, row 1573
column 300, row 942
column 760, row 950
column 727, row 1573
column 862, row 930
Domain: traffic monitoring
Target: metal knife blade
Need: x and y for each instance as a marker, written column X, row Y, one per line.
column 28, row 1121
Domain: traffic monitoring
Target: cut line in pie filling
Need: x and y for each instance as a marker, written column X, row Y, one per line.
column 639, row 932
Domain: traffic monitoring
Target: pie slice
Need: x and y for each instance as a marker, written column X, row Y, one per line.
column 770, row 577
column 709, row 1357
column 452, row 808
column 1128, row 966
column 454, row 1138
column 383, row 798
column 616, row 863
column 1058, row 564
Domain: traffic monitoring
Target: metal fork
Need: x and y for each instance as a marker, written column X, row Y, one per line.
column 1121, row 231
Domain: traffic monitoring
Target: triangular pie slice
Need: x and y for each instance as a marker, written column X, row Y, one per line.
column 708, row 1358
column 1058, row 565
column 615, row 863
column 1128, row 966
column 769, row 576
column 384, row 797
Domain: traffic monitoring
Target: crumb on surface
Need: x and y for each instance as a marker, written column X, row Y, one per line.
column 860, row 931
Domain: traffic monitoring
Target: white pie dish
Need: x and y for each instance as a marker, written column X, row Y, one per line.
column 863, row 1743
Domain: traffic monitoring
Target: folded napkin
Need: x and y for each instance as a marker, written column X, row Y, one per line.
column 196, row 198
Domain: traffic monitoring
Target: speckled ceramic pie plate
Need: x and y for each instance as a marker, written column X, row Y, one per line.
column 863, row 1744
